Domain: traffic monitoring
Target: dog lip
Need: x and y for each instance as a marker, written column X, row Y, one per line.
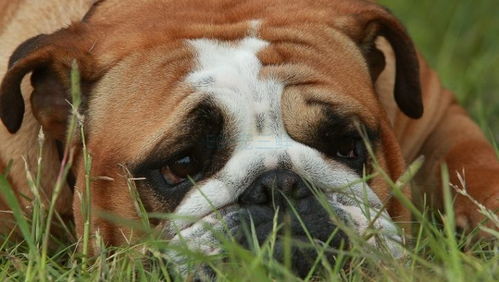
column 222, row 208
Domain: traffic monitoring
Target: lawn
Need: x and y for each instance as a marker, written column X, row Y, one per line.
column 460, row 39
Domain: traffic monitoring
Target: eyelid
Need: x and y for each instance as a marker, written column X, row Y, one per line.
column 184, row 159
column 344, row 135
column 160, row 161
column 162, row 172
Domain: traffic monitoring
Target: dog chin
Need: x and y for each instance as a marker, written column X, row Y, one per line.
column 333, row 228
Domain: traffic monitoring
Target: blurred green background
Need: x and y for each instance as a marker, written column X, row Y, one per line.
column 459, row 39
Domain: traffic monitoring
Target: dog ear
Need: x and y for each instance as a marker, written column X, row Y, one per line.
column 48, row 58
column 364, row 25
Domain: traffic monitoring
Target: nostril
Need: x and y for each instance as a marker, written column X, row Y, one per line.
column 288, row 184
column 292, row 185
column 301, row 190
column 275, row 186
column 255, row 195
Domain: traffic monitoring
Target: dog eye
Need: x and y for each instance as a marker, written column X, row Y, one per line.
column 349, row 150
column 180, row 169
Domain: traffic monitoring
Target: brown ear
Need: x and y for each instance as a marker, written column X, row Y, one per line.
column 49, row 58
column 364, row 25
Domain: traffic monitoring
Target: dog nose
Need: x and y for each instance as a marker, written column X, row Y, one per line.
column 275, row 187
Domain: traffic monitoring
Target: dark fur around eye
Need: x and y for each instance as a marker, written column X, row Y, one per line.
column 201, row 137
column 338, row 134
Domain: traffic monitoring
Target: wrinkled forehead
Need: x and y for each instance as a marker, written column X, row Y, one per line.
column 265, row 76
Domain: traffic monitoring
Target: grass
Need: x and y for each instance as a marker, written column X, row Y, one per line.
column 458, row 39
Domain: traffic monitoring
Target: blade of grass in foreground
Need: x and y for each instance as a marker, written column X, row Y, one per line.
column 18, row 213
column 454, row 262
column 67, row 162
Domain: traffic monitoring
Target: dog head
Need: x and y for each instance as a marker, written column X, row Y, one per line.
column 228, row 113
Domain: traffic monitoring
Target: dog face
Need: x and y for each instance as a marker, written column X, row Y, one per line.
column 229, row 119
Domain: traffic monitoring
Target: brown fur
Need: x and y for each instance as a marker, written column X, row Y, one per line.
column 7, row 11
column 315, row 46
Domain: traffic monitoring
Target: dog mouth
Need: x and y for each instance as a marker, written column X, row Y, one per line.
column 300, row 234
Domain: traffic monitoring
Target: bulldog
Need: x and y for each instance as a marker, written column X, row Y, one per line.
column 230, row 111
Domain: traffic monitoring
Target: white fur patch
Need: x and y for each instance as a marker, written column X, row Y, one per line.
column 228, row 73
